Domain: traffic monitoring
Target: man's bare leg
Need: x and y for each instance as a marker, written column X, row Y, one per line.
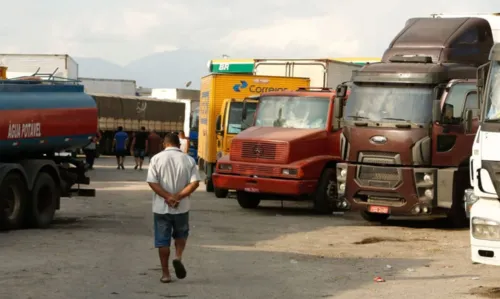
column 180, row 244
column 141, row 160
column 118, row 162
column 164, row 253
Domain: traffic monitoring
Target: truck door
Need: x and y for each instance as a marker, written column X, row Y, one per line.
column 451, row 142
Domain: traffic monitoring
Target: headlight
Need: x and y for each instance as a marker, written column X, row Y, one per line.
column 223, row 166
column 485, row 229
column 343, row 173
column 289, row 171
column 429, row 193
column 427, row 178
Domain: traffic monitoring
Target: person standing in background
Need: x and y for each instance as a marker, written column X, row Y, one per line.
column 91, row 149
column 120, row 147
column 173, row 177
column 184, row 142
column 140, row 147
column 155, row 144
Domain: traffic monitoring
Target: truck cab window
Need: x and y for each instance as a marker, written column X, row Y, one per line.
column 455, row 102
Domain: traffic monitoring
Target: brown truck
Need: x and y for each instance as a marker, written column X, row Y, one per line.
column 290, row 152
column 410, row 122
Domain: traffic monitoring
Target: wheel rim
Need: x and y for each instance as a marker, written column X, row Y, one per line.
column 331, row 190
column 11, row 203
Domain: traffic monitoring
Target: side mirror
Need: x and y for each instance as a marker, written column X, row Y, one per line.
column 447, row 115
column 244, row 110
column 341, row 91
column 436, row 111
column 482, row 73
column 218, row 125
column 468, row 121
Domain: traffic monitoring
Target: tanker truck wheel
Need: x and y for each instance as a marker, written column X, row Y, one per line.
column 247, row 200
column 13, row 200
column 221, row 193
column 43, row 201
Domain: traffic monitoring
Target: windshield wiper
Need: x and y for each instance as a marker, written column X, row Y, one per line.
column 407, row 125
column 357, row 117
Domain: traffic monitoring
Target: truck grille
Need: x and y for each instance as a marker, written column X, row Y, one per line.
column 384, row 176
column 253, row 151
column 259, row 170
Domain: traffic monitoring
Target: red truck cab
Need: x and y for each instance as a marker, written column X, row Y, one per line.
column 290, row 153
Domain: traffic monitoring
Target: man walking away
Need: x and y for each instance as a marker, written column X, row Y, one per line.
column 155, row 144
column 173, row 176
column 120, row 147
column 140, row 147
column 91, row 149
column 184, row 142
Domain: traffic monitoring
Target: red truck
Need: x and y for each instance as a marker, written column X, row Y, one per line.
column 410, row 122
column 290, row 153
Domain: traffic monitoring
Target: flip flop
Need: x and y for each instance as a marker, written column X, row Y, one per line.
column 180, row 270
column 165, row 280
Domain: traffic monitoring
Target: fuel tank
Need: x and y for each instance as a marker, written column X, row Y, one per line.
column 38, row 117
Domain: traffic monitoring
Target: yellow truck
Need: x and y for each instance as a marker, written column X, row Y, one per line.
column 217, row 88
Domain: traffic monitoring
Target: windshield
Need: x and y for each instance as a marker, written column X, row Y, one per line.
column 235, row 113
column 390, row 103
column 293, row 112
column 195, row 115
column 492, row 105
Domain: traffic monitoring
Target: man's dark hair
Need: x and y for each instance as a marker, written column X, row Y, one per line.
column 172, row 139
column 120, row 128
column 143, row 128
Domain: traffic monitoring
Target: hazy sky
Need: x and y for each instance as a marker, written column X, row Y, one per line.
column 125, row 30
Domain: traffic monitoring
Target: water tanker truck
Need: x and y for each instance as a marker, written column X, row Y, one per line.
column 39, row 119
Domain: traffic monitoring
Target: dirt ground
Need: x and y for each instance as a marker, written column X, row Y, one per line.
column 103, row 248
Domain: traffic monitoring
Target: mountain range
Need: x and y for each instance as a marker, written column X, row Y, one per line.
column 160, row 70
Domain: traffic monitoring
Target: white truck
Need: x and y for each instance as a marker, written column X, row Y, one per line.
column 60, row 65
column 322, row 72
column 482, row 201
column 109, row 86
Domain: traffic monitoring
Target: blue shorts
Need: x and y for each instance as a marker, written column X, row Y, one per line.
column 167, row 226
column 139, row 153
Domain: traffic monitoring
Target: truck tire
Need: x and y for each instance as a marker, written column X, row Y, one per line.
column 374, row 217
column 457, row 217
column 210, row 185
column 247, row 200
column 13, row 201
column 326, row 192
column 45, row 196
column 221, row 193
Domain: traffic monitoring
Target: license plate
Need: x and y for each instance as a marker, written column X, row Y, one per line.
column 378, row 210
column 252, row 190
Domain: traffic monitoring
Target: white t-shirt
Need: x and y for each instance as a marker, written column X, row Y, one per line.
column 173, row 170
column 184, row 145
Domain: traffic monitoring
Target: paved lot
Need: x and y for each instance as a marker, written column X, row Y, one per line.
column 102, row 248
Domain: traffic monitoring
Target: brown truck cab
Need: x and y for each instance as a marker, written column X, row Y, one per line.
column 410, row 122
column 290, row 153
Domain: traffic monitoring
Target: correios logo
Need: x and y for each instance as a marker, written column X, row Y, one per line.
column 242, row 85
column 256, row 89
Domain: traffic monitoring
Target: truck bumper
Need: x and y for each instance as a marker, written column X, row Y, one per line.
column 485, row 220
column 264, row 185
column 387, row 190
